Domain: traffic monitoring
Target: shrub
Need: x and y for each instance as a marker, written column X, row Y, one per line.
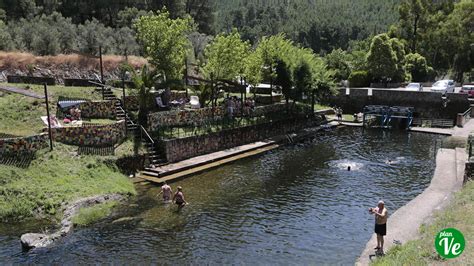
column 417, row 66
column 359, row 79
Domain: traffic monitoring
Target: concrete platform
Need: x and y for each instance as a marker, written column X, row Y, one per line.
column 432, row 130
column 175, row 171
column 403, row 225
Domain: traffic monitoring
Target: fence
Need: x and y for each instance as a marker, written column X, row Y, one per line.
column 463, row 118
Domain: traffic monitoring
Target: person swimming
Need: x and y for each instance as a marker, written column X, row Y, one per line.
column 178, row 198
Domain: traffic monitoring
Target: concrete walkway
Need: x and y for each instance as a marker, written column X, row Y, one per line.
column 28, row 93
column 403, row 225
column 432, row 130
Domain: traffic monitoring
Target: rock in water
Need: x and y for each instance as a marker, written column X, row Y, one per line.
column 32, row 240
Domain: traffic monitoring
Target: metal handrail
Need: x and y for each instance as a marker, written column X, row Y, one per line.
column 467, row 113
column 143, row 130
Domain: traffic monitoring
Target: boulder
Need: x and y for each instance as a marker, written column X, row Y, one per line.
column 33, row 240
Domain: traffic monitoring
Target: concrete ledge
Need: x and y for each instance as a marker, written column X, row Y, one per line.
column 403, row 224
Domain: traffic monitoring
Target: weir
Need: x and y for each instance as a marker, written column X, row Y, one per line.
column 381, row 116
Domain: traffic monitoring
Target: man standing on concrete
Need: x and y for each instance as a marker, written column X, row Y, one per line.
column 167, row 191
column 381, row 215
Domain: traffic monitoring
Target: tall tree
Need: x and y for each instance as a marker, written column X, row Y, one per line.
column 381, row 59
column 226, row 56
column 413, row 16
column 284, row 79
column 165, row 42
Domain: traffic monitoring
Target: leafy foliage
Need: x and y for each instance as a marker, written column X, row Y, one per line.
column 226, row 56
column 381, row 59
column 359, row 78
column 417, row 67
column 165, row 42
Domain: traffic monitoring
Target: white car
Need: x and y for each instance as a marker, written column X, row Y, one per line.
column 414, row 87
column 443, row 86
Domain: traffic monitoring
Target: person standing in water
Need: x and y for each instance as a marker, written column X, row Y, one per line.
column 178, row 198
column 381, row 216
column 167, row 191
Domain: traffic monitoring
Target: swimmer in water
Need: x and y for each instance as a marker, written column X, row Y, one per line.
column 178, row 198
column 348, row 168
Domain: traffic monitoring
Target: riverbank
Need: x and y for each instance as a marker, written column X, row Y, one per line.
column 459, row 215
column 404, row 224
column 53, row 179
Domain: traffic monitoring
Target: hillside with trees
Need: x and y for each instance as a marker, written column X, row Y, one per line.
column 360, row 40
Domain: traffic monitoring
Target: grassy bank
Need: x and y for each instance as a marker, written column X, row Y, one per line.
column 87, row 216
column 21, row 115
column 58, row 177
column 459, row 215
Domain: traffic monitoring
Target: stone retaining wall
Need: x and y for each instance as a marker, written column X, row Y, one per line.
column 31, row 80
column 92, row 136
column 184, row 148
column 203, row 115
column 23, row 145
column 426, row 104
column 80, row 82
column 98, row 109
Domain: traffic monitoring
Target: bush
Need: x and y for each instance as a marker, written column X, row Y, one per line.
column 359, row 79
column 417, row 66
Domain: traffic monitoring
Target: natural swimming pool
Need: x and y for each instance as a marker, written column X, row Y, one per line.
column 294, row 205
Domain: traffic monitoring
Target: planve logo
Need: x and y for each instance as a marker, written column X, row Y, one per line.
column 449, row 243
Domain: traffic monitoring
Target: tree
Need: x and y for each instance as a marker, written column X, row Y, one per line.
column 6, row 42
column 143, row 82
column 417, row 67
column 338, row 60
column 284, row 80
column 165, row 42
column 226, row 56
column 303, row 80
column 381, row 59
column 461, row 42
column 413, row 15
column 399, row 50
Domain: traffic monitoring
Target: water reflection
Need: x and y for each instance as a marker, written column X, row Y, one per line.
column 290, row 206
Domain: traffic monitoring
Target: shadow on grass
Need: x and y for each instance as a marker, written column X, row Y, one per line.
column 100, row 151
column 22, row 161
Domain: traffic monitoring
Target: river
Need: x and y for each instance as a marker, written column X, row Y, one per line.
column 294, row 205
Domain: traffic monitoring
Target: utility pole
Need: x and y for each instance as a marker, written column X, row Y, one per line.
column 186, row 83
column 49, row 118
column 101, row 66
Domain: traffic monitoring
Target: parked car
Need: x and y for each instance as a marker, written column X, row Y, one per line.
column 443, row 86
column 468, row 89
column 414, row 87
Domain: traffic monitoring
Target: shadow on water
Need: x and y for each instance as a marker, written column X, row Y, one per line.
column 293, row 205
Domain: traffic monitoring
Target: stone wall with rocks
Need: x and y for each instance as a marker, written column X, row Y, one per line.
column 426, row 104
column 184, row 148
column 23, row 145
column 91, row 135
column 184, row 117
column 200, row 116
column 98, row 109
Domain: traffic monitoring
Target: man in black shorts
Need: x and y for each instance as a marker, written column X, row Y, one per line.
column 381, row 216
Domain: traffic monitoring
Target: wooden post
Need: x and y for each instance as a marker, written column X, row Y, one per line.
column 101, row 66
column 49, row 118
column 312, row 102
column 123, row 91
column 186, row 83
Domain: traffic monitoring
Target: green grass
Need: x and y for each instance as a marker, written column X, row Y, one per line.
column 90, row 215
column 59, row 177
column 21, row 115
column 459, row 215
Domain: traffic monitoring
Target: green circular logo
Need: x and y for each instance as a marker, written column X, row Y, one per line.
column 449, row 243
